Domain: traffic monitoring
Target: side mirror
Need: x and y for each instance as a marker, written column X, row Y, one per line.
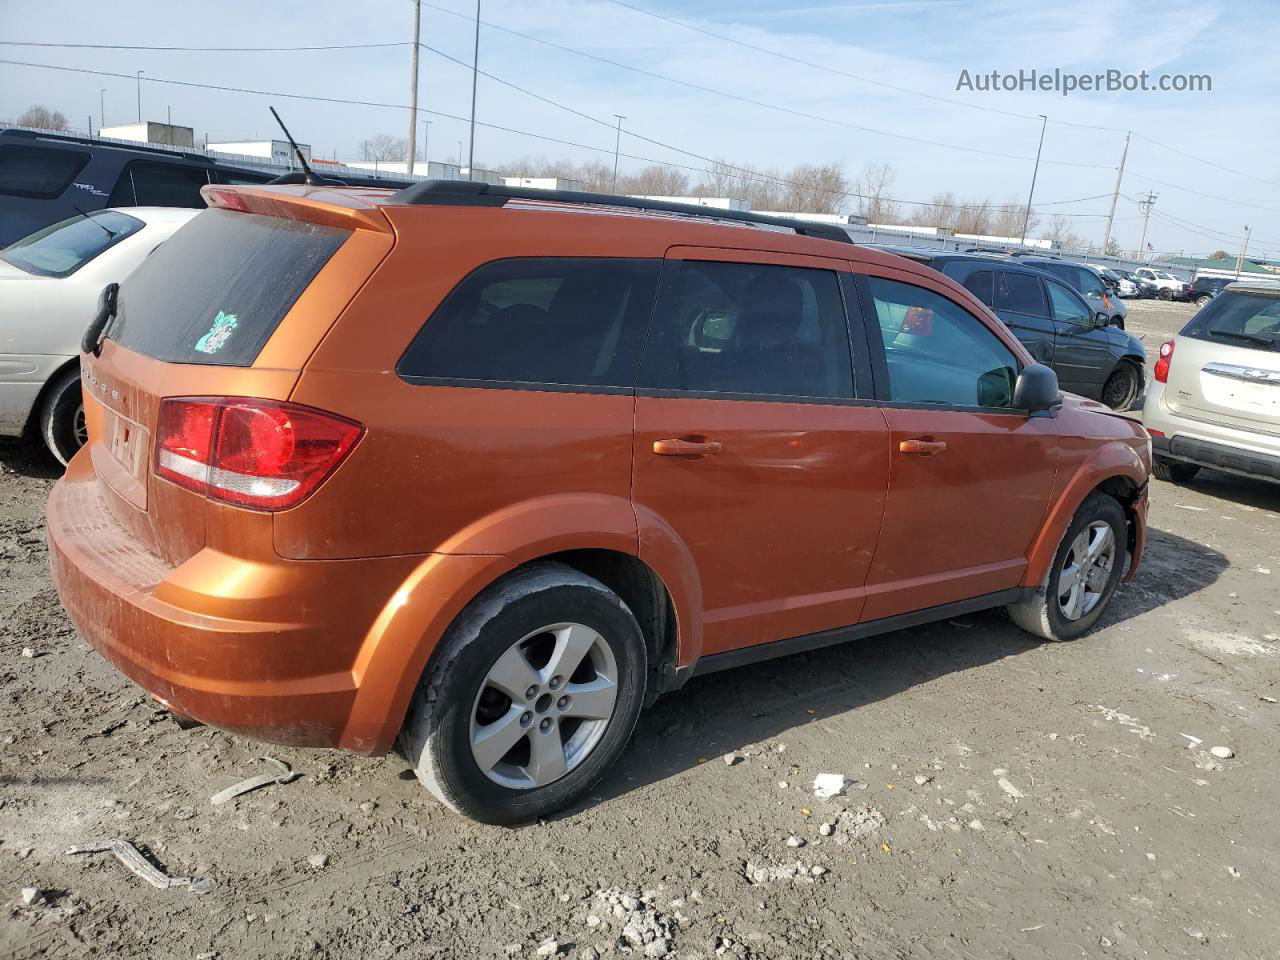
column 1037, row 391
column 1101, row 319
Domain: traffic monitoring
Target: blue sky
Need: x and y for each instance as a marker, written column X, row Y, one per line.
column 919, row 45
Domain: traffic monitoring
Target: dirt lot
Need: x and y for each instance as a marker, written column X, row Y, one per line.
column 1006, row 798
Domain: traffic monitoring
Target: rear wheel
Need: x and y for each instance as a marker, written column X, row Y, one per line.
column 531, row 697
column 1174, row 471
column 1084, row 574
column 62, row 424
column 1122, row 388
column 1201, row 301
column 1166, row 294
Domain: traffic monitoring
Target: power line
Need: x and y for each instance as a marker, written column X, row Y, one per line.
column 1192, row 156
column 744, row 173
column 125, row 46
column 1208, row 196
column 748, row 100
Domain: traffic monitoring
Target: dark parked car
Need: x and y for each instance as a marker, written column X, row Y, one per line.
column 1204, row 289
column 1092, row 357
column 46, row 178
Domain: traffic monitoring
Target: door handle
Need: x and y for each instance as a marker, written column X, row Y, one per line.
column 926, row 448
column 685, row 448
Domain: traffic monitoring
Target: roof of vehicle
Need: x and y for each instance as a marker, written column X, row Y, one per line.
column 1266, row 288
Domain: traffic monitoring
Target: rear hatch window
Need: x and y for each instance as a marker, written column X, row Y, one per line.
column 38, row 172
column 62, row 249
column 1239, row 319
column 215, row 292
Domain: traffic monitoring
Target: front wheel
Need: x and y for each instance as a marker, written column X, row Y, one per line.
column 1166, row 294
column 530, row 698
column 1201, row 301
column 1084, row 574
column 62, row 424
column 1123, row 387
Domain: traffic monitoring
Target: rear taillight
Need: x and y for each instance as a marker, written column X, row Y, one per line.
column 1161, row 372
column 261, row 454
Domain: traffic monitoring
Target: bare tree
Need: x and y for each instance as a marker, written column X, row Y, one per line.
column 872, row 187
column 1219, row 255
column 44, row 118
column 655, row 181
column 1059, row 230
column 383, row 146
column 1007, row 221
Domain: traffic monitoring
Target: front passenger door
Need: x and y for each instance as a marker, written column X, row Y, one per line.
column 969, row 475
column 1082, row 355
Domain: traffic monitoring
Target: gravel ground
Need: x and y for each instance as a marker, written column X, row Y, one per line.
column 1005, row 798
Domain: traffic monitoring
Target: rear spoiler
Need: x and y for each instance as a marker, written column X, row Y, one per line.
column 344, row 207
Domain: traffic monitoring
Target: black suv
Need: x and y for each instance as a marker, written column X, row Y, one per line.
column 46, row 178
column 1084, row 280
column 1204, row 289
column 1092, row 357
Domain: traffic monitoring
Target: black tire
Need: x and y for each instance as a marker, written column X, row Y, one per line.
column 62, row 416
column 1201, row 301
column 437, row 735
column 1174, row 471
column 1123, row 388
column 1166, row 294
column 1041, row 613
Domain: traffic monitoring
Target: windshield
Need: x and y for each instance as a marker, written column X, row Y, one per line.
column 1239, row 319
column 62, row 249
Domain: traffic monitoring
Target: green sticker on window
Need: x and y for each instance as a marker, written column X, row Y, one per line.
column 224, row 324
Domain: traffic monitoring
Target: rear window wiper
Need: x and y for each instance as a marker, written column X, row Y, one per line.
column 1259, row 339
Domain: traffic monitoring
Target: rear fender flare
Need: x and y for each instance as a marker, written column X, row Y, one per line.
column 1110, row 460
column 399, row 645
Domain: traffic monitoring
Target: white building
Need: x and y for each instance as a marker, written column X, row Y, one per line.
column 433, row 170
column 545, row 183
column 839, row 219
column 150, row 132
column 278, row 151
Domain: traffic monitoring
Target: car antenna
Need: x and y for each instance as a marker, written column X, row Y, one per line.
column 110, row 233
column 310, row 178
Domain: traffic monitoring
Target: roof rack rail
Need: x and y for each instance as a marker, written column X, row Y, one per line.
column 468, row 193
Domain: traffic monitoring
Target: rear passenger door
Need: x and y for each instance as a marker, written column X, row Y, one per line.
column 753, row 445
column 1018, row 299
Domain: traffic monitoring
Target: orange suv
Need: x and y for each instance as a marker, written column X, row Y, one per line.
column 477, row 472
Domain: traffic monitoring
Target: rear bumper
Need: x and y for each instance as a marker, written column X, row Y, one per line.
column 1244, row 452
column 294, row 652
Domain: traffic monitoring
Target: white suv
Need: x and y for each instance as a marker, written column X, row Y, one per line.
column 1214, row 399
column 1168, row 287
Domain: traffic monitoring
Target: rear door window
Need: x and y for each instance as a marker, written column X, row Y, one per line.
column 981, row 284
column 215, row 291
column 748, row 328
column 574, row 321
column 1021, row 293
column 40, row 173
column 147, row 184
column 62, row 249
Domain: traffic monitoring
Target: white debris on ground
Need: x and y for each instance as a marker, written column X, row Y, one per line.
column 635, row 922
column 828, row 785
column 1133, row 723
column 857, row 824
column 787, row 873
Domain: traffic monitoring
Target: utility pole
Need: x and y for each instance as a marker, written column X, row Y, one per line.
column 1244, row 245
column 413, row 85
column 475, row 75
column 1034, row 172
column 1115, row 194
column 102, row 109
column 139, row 79
column 1146, row 203
column 426, row 142
column 617, row 145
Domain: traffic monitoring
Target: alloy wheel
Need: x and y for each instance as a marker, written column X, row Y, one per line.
column 1086, row 570
column 544, row 706
column 78, row 427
